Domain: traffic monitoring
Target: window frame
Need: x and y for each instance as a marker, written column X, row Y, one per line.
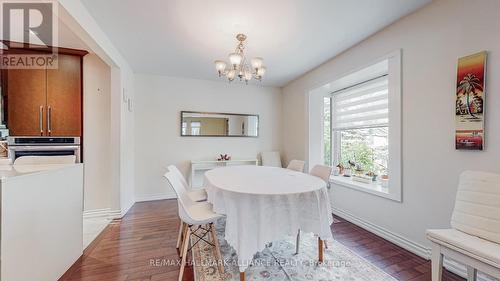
column 394, row 189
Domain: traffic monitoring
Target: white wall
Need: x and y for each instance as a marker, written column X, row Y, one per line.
column 77, row 18
column 158, row 104
column 127, row 141
column 97, row 133
column 431, row 41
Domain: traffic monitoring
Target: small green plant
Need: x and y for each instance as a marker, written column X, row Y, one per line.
column 359, row 153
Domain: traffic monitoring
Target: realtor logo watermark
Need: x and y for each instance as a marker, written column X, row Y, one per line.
column 28, row 33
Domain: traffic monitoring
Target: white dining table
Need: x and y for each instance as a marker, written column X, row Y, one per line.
column 265, row 204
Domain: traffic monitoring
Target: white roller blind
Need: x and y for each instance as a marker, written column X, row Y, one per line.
column 361, row 106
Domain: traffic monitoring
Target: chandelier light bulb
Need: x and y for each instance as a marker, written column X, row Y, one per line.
column 231, row 74
column 261, row 71
column 257, row 62
column 220, row 66
column 248, row 75
column 235, row 59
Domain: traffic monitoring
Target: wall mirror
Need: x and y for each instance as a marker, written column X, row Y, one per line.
column 211, row 124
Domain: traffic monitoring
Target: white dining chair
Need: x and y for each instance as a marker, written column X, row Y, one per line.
column 323, row 172
column 271, row 159
column 195, row 195
column 296, row 165
column 45, row 160
column 474, row 236
column 198, row 220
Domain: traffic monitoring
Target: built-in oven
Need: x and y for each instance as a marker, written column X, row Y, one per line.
column 43, row 146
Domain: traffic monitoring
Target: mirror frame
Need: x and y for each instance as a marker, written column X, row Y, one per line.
column 219, row 113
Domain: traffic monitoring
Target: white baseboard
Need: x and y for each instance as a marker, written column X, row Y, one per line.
column 125, row 210
column 460, row 270
column 154, row 197
column 105, row 213
column 96, row 213
column 395, row 238
column 115, row 214
column 406, row 244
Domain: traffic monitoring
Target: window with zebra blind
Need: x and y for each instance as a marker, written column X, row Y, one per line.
column 362, row 128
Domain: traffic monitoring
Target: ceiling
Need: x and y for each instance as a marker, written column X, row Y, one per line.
column 183, row 37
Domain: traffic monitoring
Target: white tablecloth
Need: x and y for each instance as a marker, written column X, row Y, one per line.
column 264, row 204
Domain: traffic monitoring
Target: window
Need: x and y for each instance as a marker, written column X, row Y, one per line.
column 195, row 128
column 357, row 119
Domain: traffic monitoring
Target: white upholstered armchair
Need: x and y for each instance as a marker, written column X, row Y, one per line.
column 474, row 238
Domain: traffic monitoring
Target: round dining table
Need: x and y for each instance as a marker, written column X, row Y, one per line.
column 265, row 204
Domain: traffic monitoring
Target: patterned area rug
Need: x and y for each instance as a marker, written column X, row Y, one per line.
column 278, row 262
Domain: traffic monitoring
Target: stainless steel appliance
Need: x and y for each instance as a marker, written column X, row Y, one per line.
column 43, row 146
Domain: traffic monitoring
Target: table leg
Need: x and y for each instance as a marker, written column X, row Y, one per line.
column 242, row 276
column 320, row 249
column 297, row 243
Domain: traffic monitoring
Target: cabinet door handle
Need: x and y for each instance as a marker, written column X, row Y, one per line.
column 41, row 120
column 49, row 120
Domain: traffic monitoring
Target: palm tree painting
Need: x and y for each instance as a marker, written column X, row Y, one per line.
column 469, row 104
column 470, row 88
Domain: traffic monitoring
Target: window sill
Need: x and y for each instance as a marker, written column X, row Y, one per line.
column 372, row 188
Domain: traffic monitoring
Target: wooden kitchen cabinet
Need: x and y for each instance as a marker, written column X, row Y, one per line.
column 46, row 102
column 26, row 100
column 64, row 98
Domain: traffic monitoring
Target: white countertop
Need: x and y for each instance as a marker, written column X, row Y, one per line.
column 10, row 171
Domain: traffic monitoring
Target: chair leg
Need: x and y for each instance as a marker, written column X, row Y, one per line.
column 320, row 250
column 218, row 255
column 297, row 243
column 471, row 273
column 179, row 237
column 437, row 263
column 185, row 245
column 184, row 239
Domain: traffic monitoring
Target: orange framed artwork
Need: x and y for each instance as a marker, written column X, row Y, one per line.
column 470, row 102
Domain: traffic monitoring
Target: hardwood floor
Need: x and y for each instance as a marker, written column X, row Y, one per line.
column 394, row 260
column 126, row 248
column 136, row 248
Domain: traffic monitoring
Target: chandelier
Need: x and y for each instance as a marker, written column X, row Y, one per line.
column 238, row 64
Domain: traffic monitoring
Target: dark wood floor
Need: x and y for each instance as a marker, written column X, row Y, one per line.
column 126, row 249
column 394, row 260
